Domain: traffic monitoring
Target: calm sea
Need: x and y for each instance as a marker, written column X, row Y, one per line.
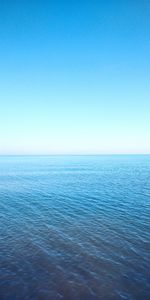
column 75, row 227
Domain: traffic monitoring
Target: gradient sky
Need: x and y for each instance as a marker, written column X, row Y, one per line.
column 74, row 77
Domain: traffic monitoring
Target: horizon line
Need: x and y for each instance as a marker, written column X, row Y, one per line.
column 75, row 154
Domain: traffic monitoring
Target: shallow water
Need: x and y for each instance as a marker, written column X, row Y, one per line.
column 75, row 227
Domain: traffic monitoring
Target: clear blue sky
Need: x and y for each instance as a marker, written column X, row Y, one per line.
column 74, row 76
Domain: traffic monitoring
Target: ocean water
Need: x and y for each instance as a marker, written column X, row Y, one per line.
column 75, row 227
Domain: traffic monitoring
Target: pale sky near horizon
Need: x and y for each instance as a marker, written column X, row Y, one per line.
column 75, row 77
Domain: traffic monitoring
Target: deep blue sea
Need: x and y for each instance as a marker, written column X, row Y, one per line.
column 75, row 227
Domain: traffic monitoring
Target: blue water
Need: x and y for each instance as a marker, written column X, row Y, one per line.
column 75, row 227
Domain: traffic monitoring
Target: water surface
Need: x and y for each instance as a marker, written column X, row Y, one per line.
column 75, row 227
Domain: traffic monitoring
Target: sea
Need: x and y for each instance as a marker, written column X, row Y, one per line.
column 75, row 227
